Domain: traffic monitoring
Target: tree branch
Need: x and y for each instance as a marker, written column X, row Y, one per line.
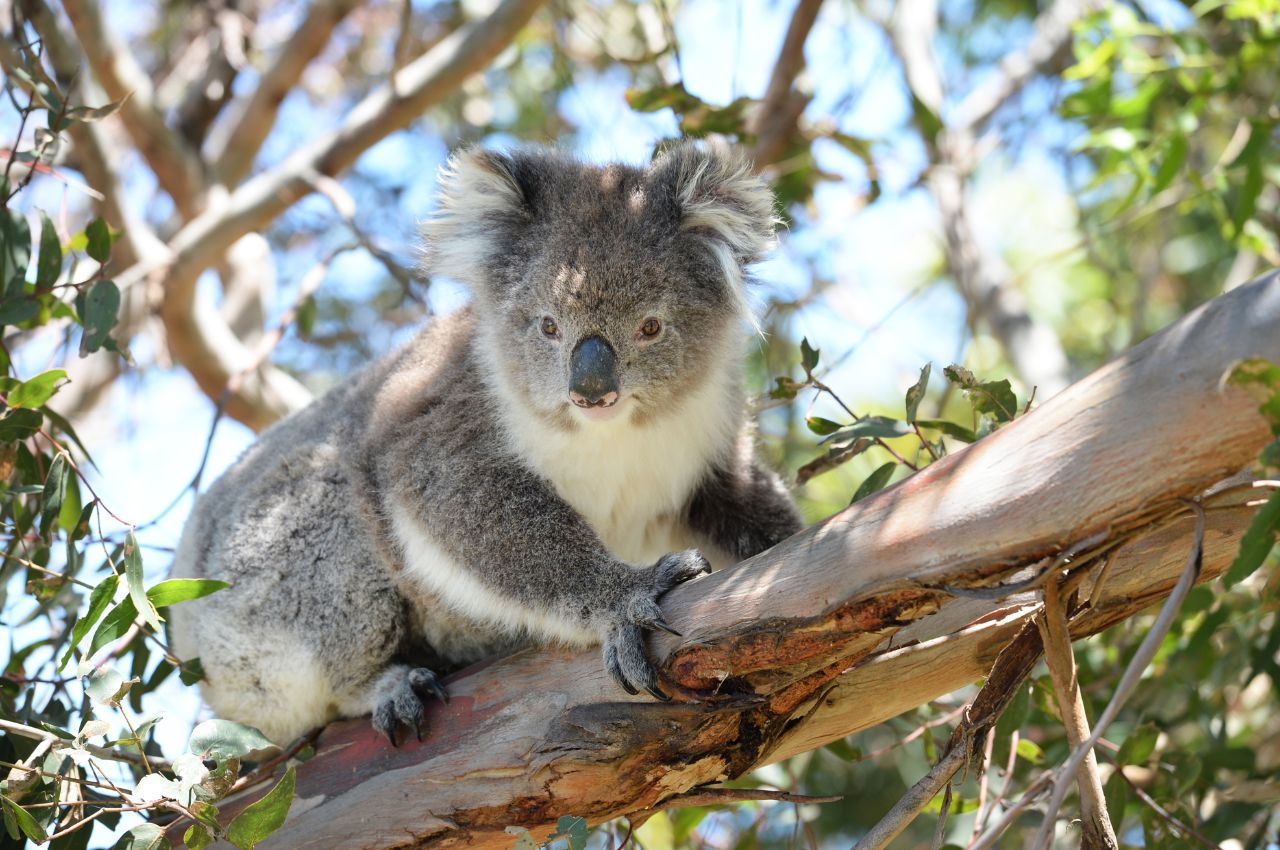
column 199, row 337
column 233, row 151
column 177, row 167
column 1050, row 39
column 843, row 626
column 1056, row 634
column 1032, row 347
column 774, row 120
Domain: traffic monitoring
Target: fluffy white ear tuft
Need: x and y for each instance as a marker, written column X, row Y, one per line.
column 480, row 201
column 718, row 195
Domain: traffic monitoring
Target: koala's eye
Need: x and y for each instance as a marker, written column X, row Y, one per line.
column 549, row 326
column 651, row 328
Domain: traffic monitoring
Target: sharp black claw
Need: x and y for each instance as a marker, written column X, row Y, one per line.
column 615, row 670
column 391, row 734
column 661, row 625
column 657, row 694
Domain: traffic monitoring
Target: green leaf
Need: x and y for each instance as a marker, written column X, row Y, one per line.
column 55, row 490
column 915, row 394
column 1258, row 541
column 926, row 119
column 1174, row 155
column 36, row 391
column 133, row 575
column 114, row 625
column 808, row 356
column 993, row 398
column 265, row 816
column 89, row 114
column 524, row 840
column 19, row 424
column 175, row 590
column 884, row 427
column 98, row 245
column 1270, row 456
column 875, row 481
column 15, row 250
column 49, row 263
column 821, row 426
column 99, row 599
column 951, row 429
column 1116, row 794
column 1029, row 750
column 222, row 739
column 108, row 685
column 1251, row 187
column 101, row 306
column 573, row 828
column 197, row 837
column 29, row 826
column 146, row 836
column 191, row 671
column 1139, row 746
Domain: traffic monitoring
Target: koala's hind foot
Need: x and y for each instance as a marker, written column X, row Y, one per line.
column 403, row 703
column 624, row 653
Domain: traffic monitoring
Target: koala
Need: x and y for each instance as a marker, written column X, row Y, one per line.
column 540, row 466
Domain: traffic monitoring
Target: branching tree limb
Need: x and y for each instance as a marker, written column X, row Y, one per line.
column 1033, row 348
column 199, row 338
column 233, row 151
column 178, row 167
column 774, row 121
column 849, row 623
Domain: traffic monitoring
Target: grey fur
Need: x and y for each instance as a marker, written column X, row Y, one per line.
column 448, row 502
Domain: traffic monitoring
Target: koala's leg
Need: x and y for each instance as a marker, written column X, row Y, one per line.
column 496, row 543
column 743, row 511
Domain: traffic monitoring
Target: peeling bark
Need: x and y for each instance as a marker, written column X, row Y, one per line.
column 847, row 624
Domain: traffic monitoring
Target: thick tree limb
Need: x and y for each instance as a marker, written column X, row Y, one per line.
column 199, row 337
column 233, row 151
column 176, row 165
column 843, row 626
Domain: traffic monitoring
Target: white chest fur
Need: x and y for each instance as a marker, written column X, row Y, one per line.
column 630, row 481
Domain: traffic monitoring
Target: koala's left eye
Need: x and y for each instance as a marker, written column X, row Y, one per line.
column 651, row 328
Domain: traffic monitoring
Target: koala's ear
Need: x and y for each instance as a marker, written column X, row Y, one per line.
column 483, row 198
column 715, row 193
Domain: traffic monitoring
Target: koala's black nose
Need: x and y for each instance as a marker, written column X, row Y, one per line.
column 593, row 373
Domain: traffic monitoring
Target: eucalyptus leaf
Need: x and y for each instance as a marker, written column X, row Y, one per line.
column 263, row 817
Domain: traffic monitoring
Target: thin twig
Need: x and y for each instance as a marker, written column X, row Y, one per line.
column 1056, row 634
column 1181, row 826
column 718, row 796
column 1129, row 681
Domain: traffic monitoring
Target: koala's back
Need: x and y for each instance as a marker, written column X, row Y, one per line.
column 290, row 526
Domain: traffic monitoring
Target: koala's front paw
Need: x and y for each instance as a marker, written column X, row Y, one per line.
column 624, row 653
column 404, row 705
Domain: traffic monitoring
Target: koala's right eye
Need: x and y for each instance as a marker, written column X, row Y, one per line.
column 549, row 327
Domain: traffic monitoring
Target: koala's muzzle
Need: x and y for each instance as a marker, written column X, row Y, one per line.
column 593, row 374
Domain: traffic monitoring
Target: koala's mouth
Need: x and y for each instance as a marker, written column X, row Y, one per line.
column 598, row 409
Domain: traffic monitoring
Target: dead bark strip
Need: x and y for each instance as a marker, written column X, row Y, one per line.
column 848, row 624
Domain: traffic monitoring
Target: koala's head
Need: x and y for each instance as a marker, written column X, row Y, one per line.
column 603, row 291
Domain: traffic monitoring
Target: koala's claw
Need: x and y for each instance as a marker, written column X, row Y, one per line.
column 679, row 567
column 406, row 704
column 624, row 650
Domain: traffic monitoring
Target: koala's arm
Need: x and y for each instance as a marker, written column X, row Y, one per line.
column 743, row 508
column 533, row 555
